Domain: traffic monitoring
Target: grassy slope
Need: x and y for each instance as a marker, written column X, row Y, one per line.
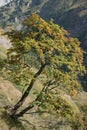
column 8, row 98
column 9, row 95
column 32, row 121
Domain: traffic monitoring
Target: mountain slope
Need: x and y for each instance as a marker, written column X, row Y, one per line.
column 4, row 2
column 34, row 121
column 16, row 10
column 71, row 14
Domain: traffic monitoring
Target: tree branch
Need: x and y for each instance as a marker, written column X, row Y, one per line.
column 27, row 91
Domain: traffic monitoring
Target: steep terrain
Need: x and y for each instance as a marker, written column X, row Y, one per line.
column 71, row 14
column 16, row 10
column 4, row 2
column 7, row 99
column 34, row 121
column 9, row 95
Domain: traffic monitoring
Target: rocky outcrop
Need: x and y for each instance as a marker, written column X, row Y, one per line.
column 4, row 2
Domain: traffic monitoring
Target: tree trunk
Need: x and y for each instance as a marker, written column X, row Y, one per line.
column 14, row 109
column 20, row 114
column 30, row 106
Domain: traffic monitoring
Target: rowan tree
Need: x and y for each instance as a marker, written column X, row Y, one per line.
column 57, row 56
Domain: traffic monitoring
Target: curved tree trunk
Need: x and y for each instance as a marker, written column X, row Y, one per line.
column 14, row 109
column 30, row 106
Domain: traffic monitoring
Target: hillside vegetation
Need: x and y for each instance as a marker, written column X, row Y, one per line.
column 34, row 121
column 45, row 64
column 70, row 14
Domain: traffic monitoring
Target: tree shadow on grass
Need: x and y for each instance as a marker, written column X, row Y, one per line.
column 12, row 123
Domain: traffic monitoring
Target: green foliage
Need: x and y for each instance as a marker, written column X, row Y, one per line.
column 2, row 56
column 52, row 102
column 49, row 45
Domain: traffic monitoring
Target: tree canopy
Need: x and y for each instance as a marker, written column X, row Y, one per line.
column 49, row 49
